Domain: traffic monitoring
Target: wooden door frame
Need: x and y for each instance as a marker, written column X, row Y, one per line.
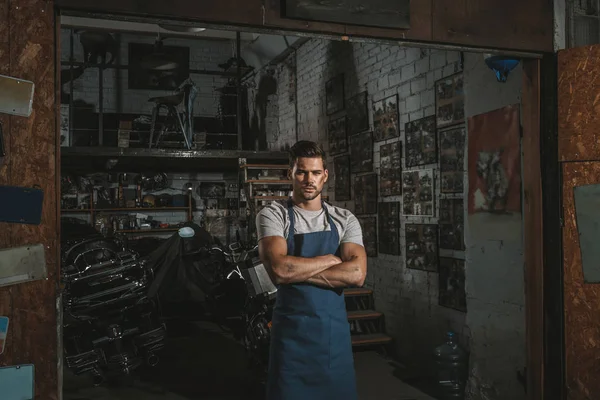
column 553, row 290
column 542, row 186
column 540, row 170
column 532, row 223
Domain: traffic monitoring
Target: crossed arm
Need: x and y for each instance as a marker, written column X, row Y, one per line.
column 326, row 271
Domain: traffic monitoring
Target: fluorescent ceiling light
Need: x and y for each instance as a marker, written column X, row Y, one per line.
column 182, row 28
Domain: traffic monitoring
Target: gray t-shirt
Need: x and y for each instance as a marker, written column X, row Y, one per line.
column 273, row 220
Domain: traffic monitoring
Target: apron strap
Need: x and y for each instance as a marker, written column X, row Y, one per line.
column 290, row 237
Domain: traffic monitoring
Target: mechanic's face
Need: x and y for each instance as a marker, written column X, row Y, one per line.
column 308, row 178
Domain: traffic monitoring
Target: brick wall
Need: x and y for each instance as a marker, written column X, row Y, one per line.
column 205, row 54
column 409, row 298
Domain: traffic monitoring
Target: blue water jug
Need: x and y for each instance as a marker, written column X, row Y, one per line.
column 451, row 364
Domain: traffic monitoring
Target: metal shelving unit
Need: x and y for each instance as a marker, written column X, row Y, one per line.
column 94, row 211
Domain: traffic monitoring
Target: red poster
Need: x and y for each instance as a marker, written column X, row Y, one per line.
column 495, row 162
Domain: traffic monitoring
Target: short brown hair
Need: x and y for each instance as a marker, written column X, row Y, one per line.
column 308, row 149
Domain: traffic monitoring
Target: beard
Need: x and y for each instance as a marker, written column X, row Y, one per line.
column 308, row 196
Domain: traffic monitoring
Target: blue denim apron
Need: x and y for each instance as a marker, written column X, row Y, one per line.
column 311, row 351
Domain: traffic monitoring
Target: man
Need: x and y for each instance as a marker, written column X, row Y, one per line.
column 312, row 250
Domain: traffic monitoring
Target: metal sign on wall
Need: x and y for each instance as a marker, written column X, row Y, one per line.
column 376, row 13
column 3, row 332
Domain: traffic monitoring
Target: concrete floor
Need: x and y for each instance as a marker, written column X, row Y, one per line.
column 209, row 365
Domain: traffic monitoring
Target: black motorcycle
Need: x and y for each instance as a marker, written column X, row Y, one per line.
column 110, row 325
column 227, row 283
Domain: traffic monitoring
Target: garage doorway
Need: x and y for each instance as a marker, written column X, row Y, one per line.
column 402, row 127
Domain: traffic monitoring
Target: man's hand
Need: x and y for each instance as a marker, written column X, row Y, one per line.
column 351, row 272
column 331, row 259
column 290, row 269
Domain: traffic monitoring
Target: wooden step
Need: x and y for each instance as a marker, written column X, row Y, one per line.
column 363, row 315
column 370, row 339
column 357, row 292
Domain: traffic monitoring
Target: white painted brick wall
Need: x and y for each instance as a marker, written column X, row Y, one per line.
column 205, row 54
column 409, row 298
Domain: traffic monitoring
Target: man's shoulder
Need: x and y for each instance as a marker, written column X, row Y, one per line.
column 276, row 207
column 339, row 211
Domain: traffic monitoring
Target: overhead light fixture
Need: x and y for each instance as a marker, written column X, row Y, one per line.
column 182, row 28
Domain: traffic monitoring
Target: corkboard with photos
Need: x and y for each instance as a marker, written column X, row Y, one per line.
column 422, row 247
column 449, row 101
column 451, row 288
column 358, row 113
column 452, row 224
column 365, row 194
column 369, row 231
column 385, row 118
column 420, row 142
column 452, row 159
column 336, row 133
column 361, row 149
column 390, row 169
column 341, row 178
column 389, row 228
column 418, row 193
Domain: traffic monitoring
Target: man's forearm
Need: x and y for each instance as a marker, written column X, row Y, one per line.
column 346, row 274
column 291, row 269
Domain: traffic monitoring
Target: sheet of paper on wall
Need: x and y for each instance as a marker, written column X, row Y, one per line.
column 587, row 211
column 17, row 382
column 22, row 264
column 3, row 333
column 16, row 96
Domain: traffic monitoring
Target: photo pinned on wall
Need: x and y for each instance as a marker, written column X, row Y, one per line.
column 495, row 162
column 417, row 193
column 451, row 288
column 334, row 94
column 365, row 194
column 389, row 228
column 422, row 247
column 420, row 142
column 369, row 231
column 338, row 140
column 385, row 118
column 450, row 101
column 390, row 169
column 358, row 114
column 341, row 178
column 361, row 149
column 452, row 159
column 452, row 224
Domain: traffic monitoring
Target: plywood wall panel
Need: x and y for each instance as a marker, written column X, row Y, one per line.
column 579, row 104
column 31, row 146
column 5, row 229
column 581, row 300
column 512, row 24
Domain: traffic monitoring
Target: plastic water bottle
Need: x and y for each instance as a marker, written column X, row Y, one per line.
column 451, row 369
